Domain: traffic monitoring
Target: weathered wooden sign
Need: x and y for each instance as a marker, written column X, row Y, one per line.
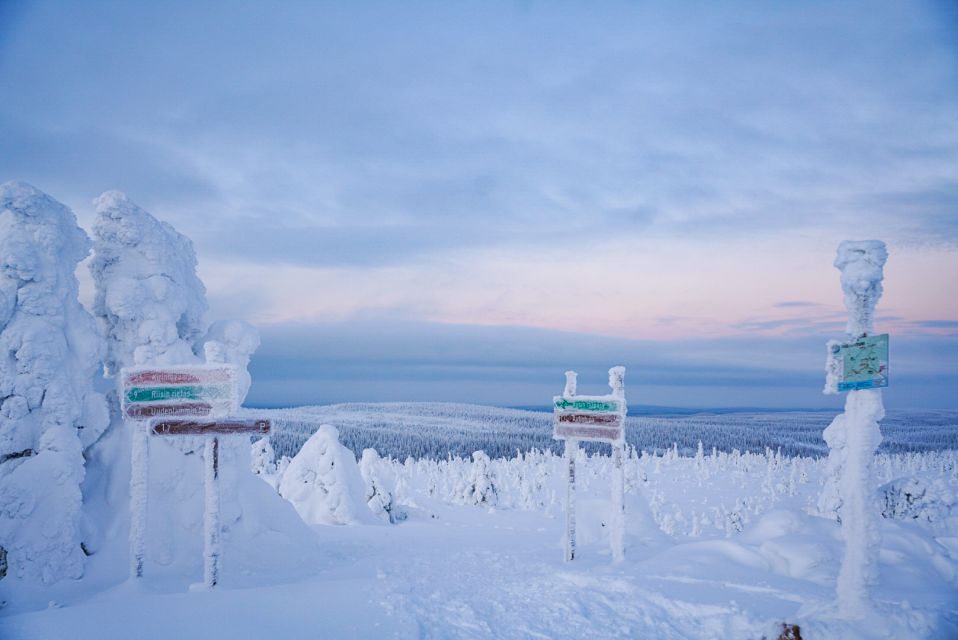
column 183, row 390
column 596, row 419
column 149, row 398
column 228, row 426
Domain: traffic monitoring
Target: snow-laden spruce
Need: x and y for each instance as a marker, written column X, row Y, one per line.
column 324, row 483
column 50, row 412
column 380, row 488
column 148, row 294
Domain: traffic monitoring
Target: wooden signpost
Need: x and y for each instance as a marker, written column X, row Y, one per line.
column 211, row 525
column 185, row 400
column 594, row 419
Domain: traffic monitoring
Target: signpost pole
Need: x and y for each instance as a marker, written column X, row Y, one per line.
column 861, row 265
column 139, row 479
column 571, row 451
column 211, row 523
column 617, row 524
column 617, row 521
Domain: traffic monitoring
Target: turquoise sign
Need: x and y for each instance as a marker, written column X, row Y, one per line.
column 864, row 363
column 585, row 405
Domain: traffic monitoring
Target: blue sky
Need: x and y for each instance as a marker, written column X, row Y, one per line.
column 460, row 201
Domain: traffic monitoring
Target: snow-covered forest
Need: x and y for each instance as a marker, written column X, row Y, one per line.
column 436, row 430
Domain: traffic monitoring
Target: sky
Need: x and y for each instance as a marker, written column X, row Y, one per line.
column 460, row 201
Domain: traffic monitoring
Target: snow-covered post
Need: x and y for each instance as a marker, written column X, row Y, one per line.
column 571, row 453
column 211, row 523
column 854, row 436
column 215, row 354
column 617, row 521
column 139, row 490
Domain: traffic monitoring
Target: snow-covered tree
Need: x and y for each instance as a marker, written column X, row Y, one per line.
column 263, row 460
column 379, row 489
column 147, row 292
column 324, row 484
column 49, row 355
column 481, row 489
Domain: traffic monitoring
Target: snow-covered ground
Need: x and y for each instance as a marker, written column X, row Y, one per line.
column 718, row 546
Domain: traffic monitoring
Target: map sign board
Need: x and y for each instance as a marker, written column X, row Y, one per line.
column 182, row 390
column 862, row 364
column 595, row 419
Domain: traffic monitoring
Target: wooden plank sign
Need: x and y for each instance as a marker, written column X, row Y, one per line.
column 178, row 391
column 227, row 426
column 596, row 419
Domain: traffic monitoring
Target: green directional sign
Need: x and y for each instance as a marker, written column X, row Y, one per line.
column 187, row 392
column 562, row 404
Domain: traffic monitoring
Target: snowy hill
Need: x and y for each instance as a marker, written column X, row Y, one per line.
column 435, row 430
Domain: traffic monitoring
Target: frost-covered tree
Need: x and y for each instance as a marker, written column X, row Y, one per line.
column 324, row 484
column 49, row 412
column 147, row 292
column 481, row 488
column 379, row 491
column 263, row 460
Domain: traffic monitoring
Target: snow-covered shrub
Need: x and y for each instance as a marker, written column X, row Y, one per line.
column 928, row 498
column 324, row 484
column 49, row 355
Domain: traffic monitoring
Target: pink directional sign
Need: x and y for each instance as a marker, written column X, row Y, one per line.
column 597, row 419
column 177, row 391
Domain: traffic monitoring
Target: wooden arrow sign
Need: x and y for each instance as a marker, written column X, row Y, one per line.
column 226, row 426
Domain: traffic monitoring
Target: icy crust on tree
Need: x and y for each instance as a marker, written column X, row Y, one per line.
column 324, row 484
column 861, row 263
column 49, row 354
column 148, row 294
column 380, row 488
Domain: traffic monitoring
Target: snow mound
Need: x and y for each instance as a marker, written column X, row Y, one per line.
column 324, row 483
column 50, row 412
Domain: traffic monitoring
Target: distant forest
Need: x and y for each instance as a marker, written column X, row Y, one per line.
column 439, row 430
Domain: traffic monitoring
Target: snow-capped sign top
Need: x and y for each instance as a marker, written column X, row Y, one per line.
column 591, row 418
column 182, row 390
column 861, row 263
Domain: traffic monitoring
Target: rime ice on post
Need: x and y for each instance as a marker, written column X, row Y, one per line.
column 617, row 521
column 854, row 436
column 596, row 419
